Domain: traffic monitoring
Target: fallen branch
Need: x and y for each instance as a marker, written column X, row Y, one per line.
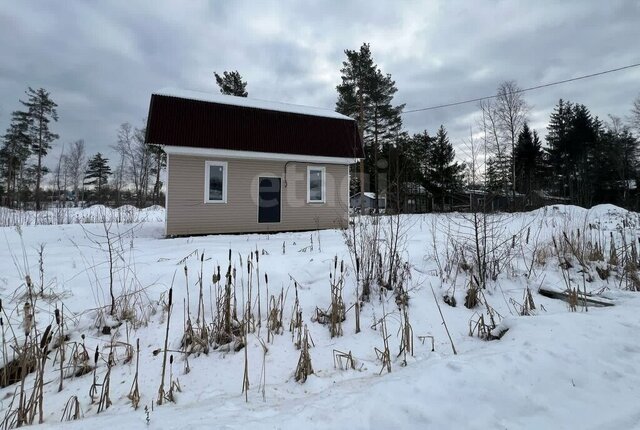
column 563, row 295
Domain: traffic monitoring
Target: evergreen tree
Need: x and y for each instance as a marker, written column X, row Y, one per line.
column 499, row 174
column 583, row 154
column 356, row 71
column 558, row 147
column 159, row 161
column 41, row 111
column 616, row 167
column 528, row 160
column 97, row 174
column 444, row 175
column 407, row 172
column 15, row 151
column 492, row 180
column 418, row 152
column 366, row 94
column 231, row 84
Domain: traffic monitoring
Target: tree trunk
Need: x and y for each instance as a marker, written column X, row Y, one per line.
column 361, row 121
column 375, row 159
column 39, row 172
column 156, row 188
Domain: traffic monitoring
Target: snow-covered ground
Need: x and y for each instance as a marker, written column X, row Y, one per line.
column 552, row 369
column 72, row 215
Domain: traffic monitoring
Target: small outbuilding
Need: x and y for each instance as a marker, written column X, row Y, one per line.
column 237, row 165
column 368, row 204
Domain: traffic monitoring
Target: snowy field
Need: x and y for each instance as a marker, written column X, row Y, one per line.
column 71, row 215
column 549, row 364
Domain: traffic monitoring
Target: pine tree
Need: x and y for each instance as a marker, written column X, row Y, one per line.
column 444, row 175
column 528, row 160
column 356, row 71
column 231, row 84
column 41, row 110
column 366, row 94
column 14, row 153
column 159, row 161
column 97, row 174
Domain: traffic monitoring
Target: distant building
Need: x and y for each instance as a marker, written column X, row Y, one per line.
column 368, row 203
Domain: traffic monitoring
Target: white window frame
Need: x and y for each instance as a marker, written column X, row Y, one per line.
column 324, row 184
column 207, row 172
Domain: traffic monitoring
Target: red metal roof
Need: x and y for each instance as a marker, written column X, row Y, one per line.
column 184, row 121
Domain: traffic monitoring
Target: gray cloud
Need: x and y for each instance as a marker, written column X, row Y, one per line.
column 101, row 60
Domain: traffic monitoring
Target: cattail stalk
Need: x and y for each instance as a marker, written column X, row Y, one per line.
column 166, row 345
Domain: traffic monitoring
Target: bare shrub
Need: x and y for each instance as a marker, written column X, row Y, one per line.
column 336, row 314
column 384, row 354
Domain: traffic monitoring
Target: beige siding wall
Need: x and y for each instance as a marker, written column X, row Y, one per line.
column 188, row 214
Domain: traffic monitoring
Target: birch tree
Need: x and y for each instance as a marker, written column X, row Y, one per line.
column 511, row 113
column 74, row 166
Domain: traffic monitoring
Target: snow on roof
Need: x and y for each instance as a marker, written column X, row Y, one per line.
column 366, row 194
column 250, row 103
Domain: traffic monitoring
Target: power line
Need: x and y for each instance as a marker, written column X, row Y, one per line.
column 550, row 84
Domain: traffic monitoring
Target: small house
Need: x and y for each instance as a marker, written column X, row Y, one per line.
column 368, row 203
column 237, row 165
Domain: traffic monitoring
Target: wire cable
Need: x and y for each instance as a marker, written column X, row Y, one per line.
column 550, row 84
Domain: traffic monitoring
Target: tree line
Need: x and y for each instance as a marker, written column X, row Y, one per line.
column 76, row 178
column 582, row 160
column 133, row 176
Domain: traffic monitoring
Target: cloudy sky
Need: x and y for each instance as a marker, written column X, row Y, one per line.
column 101, row 60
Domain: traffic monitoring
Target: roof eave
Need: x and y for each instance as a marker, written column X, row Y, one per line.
column 255, row 155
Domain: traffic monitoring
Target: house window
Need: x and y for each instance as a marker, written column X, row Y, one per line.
column 215, row 182
column 315, row 184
